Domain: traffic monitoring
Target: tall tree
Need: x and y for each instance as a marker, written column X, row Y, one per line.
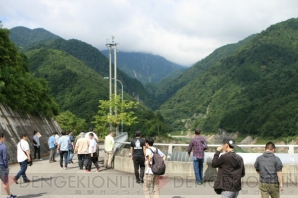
column 124, row 113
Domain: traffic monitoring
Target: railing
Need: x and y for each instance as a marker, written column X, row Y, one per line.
column 119, row 139
column 290, row 157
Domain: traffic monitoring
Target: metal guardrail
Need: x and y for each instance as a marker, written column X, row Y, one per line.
column 289, row 157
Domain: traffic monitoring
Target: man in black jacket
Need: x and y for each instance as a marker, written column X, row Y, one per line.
column 230, row 170
column 138, row 151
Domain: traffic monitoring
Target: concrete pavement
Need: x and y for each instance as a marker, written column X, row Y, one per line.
column 49, row 180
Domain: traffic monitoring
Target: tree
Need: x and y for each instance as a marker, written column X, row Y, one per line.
column 124, row 113
column 69, row 121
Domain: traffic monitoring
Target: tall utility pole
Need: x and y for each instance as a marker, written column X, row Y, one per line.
column 112, row 46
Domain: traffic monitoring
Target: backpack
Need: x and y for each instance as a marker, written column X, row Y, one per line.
column 158, row 165
column 33, row 140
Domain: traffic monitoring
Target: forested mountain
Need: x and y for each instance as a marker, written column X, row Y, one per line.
column 93, row 58
column 26, row 37
column 147, row 68
column 18, row 89
column 254, row 90
column 77, row 88
column 169, row 86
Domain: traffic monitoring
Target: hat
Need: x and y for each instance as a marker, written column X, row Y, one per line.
column 230, row 141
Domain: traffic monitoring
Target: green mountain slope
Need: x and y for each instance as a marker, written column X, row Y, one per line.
column 74, row 86
column 29, row 39
column 25, row 37
column 77, row 88
column 18, row 89
column 253, row 91
column 168, row 87
column 147, row 68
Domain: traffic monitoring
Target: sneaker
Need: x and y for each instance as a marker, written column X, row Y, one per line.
column 87, row 171
column 27, row 181
column 138, row 181
column 65, row 168
column 142, row 181
column 40, row 159
column 98, row 170
column 199, row 183
column 54, row 161
column 15, row 180
column 13, row 196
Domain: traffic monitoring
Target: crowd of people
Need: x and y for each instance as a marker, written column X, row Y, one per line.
column 148, row 161
column 231, row 167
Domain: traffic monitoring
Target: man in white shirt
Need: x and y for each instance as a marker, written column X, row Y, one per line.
column 23, row 156
column 92, row 154
column 150, row 178
column 109, row 148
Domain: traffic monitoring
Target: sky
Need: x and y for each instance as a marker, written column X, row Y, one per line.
column 182, row 31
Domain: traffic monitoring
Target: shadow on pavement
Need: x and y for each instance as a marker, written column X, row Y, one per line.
column 33, row 195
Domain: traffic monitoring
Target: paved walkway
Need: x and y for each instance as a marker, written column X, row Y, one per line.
column 48, row 180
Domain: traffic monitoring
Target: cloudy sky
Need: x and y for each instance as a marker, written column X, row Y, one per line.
column 183, row 31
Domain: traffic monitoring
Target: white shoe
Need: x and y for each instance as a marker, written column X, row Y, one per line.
column 40, row 159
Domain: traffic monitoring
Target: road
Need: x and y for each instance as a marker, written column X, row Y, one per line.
column 48, row 180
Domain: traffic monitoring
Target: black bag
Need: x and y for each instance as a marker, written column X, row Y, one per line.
column 218, row 191
column 31, row 161
column 158, row 165
column 34, row 142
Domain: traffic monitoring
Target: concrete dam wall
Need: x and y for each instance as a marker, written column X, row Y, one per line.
column 14, row 123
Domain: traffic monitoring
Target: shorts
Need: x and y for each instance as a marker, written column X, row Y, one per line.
column 4, row 172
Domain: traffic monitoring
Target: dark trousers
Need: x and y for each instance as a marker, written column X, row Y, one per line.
column 22, row 172
column 139, row 162
column 93, row 160
column 52, row 154
column 37, row 150
column 63, row 154
column 83, row 160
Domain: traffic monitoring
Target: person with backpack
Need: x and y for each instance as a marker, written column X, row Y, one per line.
column 155, row 167
column 198, row 145
column 138, row 151
column 36, row 144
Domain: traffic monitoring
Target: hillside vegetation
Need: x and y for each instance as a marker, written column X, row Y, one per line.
column 18, row 89
column 147, row 68
column 170, row 85
column 94, row 59
column 254, row 90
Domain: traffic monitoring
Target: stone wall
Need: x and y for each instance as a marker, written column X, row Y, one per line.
column 14, row 123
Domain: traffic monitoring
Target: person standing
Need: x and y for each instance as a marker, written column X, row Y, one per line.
column 62, row 148
column 138, row 152
column 109, row 147
column 230, row 169
column 92, row 154
column 82, row 149
column 4, row 170
column 269, row 167
column 150, row 178
column 198, row 145
column 23, row 157
column 52, row 147
column 70, row 147
column 36, row 144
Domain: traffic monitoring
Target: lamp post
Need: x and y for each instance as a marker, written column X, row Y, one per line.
column 107, row 78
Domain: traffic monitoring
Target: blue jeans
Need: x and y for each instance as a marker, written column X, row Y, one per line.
column 63, row 154
column 22, row 172
column 70, row 154
column 198, row 168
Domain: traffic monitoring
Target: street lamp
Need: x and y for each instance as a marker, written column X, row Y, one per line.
column 107, row 78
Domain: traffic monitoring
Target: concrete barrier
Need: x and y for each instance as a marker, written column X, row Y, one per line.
column 184, row 170
column 14, row 123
